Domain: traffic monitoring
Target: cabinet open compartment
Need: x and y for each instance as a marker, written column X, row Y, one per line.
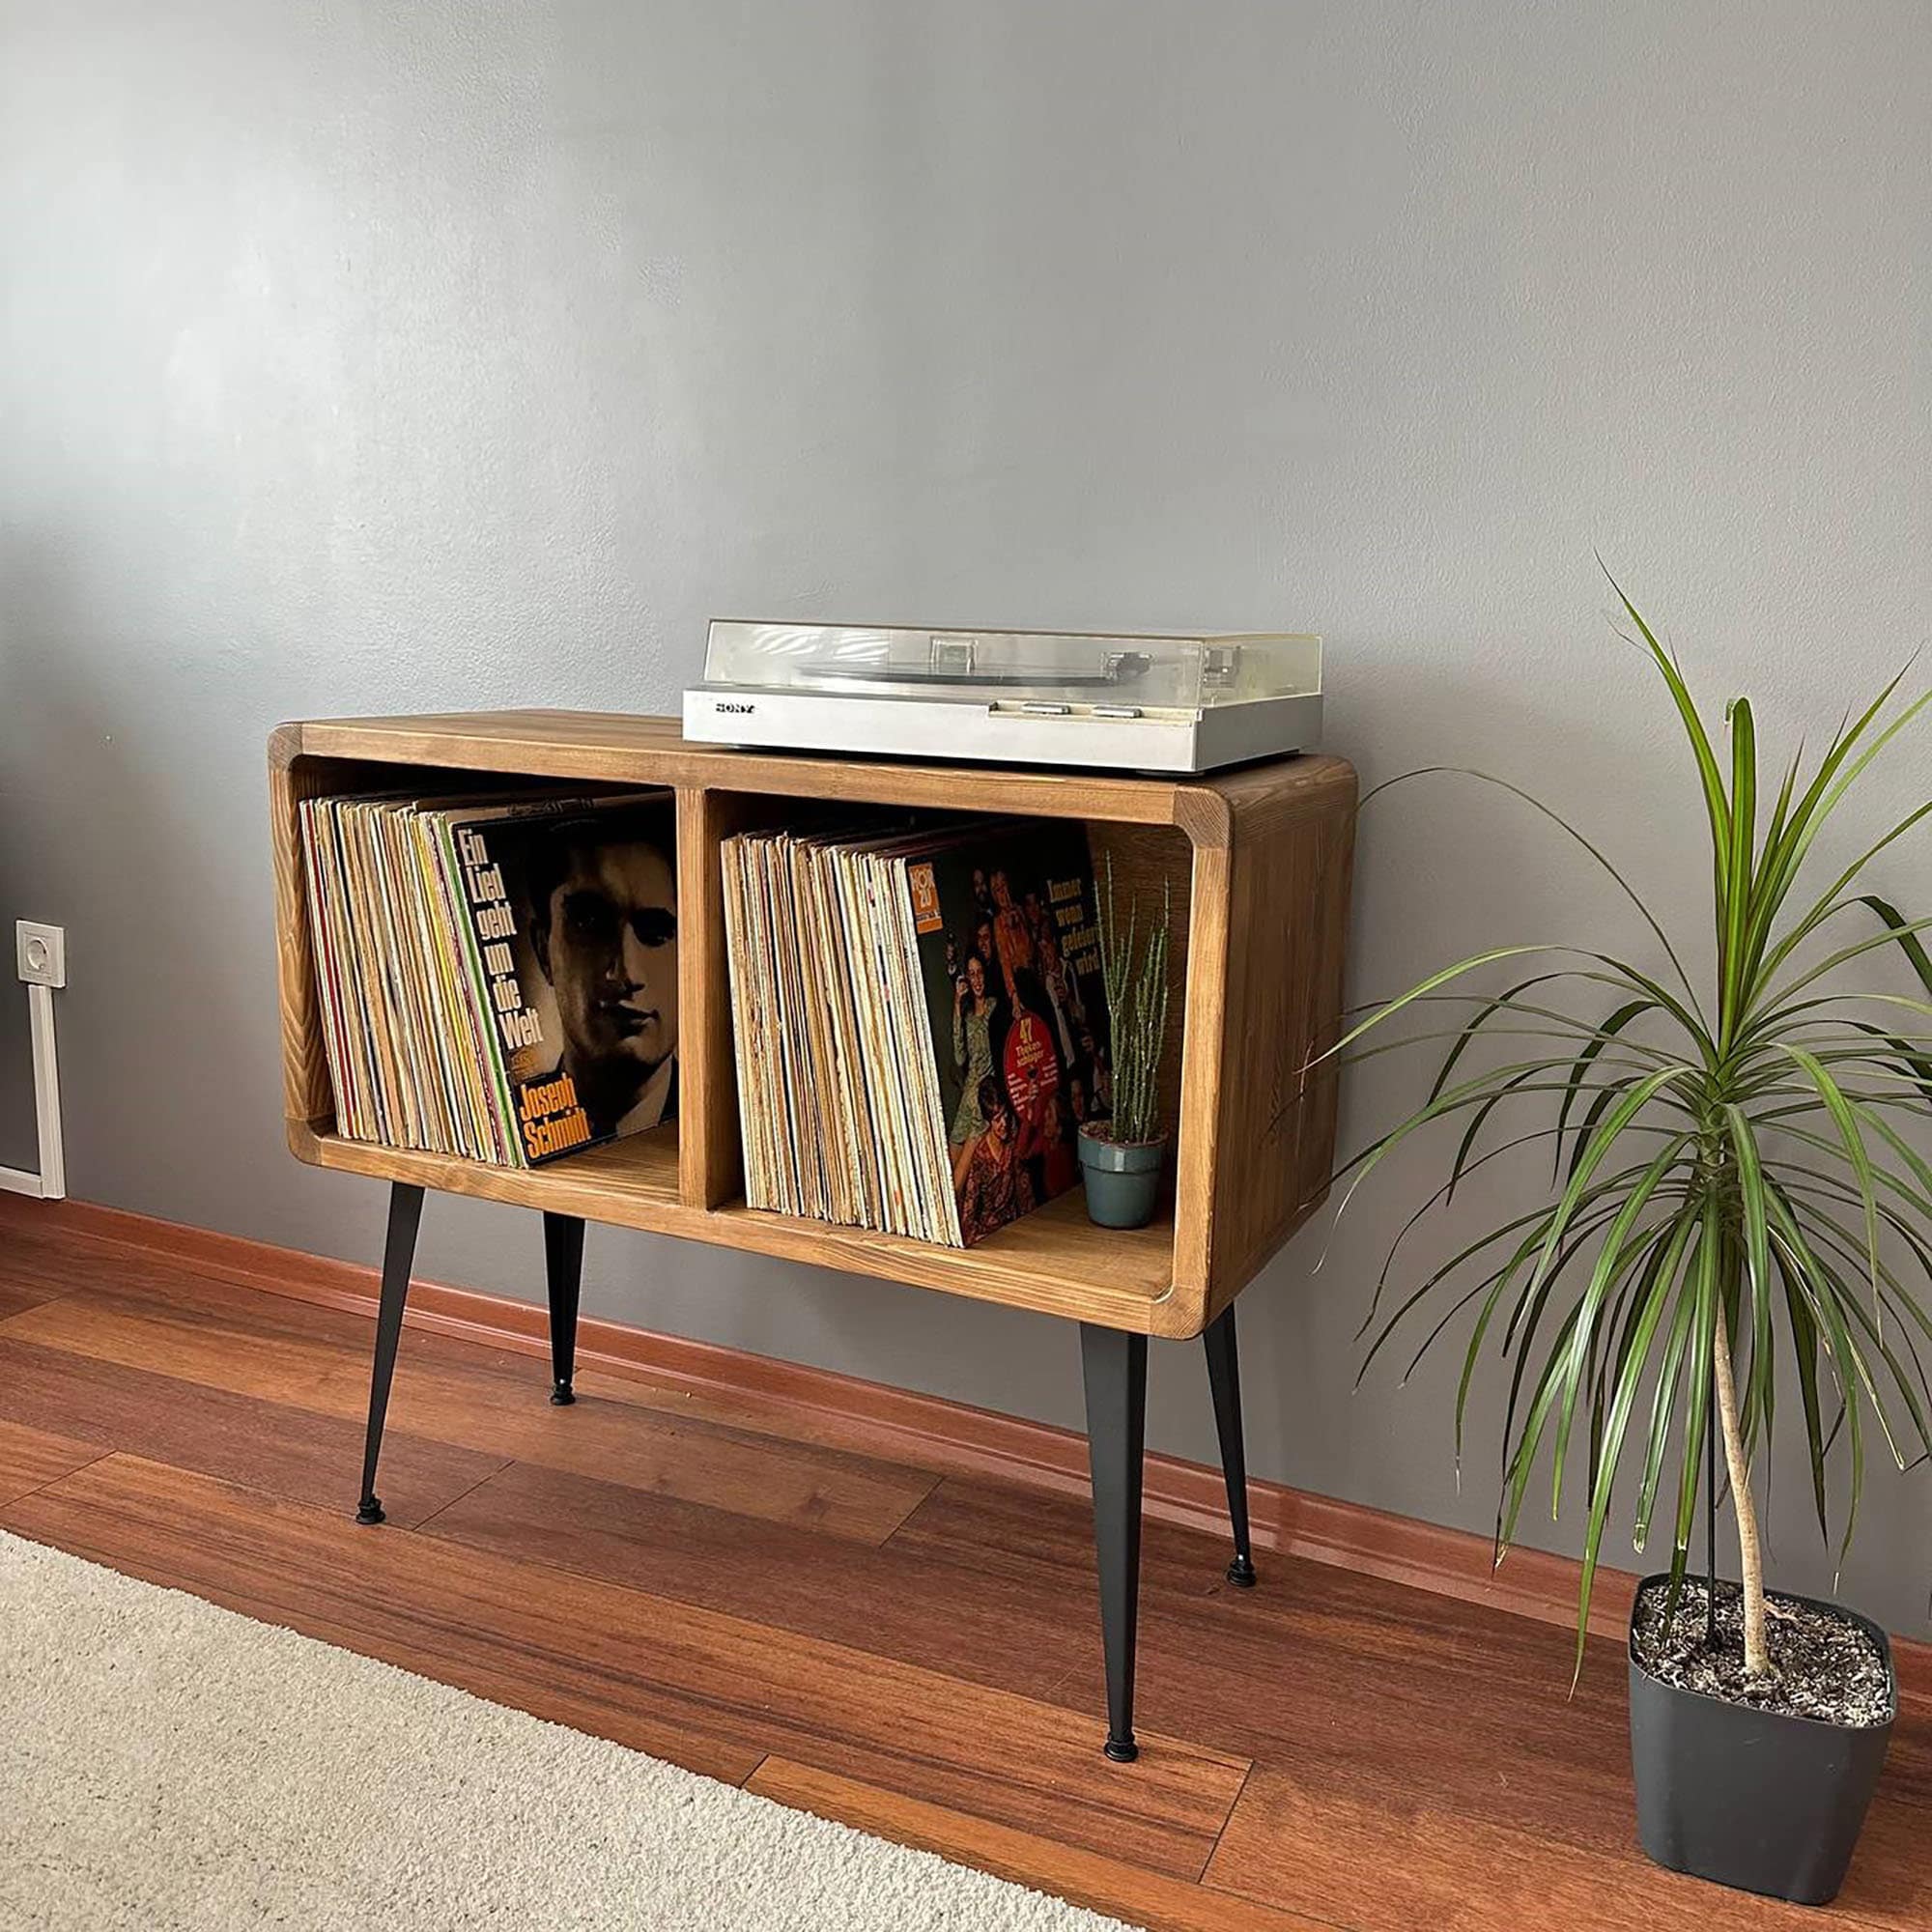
column 1144, row 861
column 1258, row 862
column 640, row 1167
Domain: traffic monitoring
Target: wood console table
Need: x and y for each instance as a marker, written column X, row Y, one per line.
column 1259, row 860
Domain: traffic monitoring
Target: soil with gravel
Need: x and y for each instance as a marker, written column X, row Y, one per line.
column 1822, row 1664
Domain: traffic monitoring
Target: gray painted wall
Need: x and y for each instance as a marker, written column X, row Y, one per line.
column 358, row 357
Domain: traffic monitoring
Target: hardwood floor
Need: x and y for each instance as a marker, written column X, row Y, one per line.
column 906, row 1645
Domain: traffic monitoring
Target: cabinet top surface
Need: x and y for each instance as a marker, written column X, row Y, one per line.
column 622, row 746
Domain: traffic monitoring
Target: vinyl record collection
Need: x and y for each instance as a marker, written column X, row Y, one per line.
column 497, row 974
column 918, row 1022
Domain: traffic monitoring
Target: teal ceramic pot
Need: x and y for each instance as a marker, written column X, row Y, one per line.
column 1123, row 1179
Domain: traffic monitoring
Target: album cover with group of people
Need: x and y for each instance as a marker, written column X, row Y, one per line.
column 1010, row 954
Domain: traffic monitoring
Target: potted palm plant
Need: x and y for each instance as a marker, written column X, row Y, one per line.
column 1122, row 1155
column 1734, row 1205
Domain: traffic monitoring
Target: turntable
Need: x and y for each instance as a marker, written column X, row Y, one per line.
column 1171, row 704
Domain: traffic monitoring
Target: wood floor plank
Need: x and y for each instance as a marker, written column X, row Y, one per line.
column 37, row 1264
column 31, row 1458
column 915, row 1607
column 1317, row 1661
column 1383, row 1868
column 687, row 1682
column 40, row 1252
column 685, row 1458
column 285, row 1451
column 1090, row 1879
column 16, row 1297
column 282, row 1350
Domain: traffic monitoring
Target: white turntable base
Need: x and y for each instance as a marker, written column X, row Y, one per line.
column 939, row 728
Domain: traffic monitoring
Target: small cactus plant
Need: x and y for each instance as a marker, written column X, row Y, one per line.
column 1137, row 1009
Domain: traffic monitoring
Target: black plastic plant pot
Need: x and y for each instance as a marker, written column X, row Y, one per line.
column 1755, row 1799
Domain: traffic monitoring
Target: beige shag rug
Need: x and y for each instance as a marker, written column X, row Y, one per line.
column 166, row 1764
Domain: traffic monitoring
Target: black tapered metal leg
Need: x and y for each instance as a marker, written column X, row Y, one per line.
column 564, row 1264
column 1224, row 1377
column 1114, row 1366
column 399, row 1253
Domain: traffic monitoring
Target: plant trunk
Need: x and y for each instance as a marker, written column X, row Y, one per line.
column 1758, row 1655
column 1711, row 1430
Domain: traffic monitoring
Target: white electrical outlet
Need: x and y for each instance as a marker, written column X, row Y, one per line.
column 40, row 953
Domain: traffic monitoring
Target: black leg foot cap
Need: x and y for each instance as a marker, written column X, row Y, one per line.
column 1241, row 1574
column 370, row 1510
column 1123, row 1750
column 563, row 1395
